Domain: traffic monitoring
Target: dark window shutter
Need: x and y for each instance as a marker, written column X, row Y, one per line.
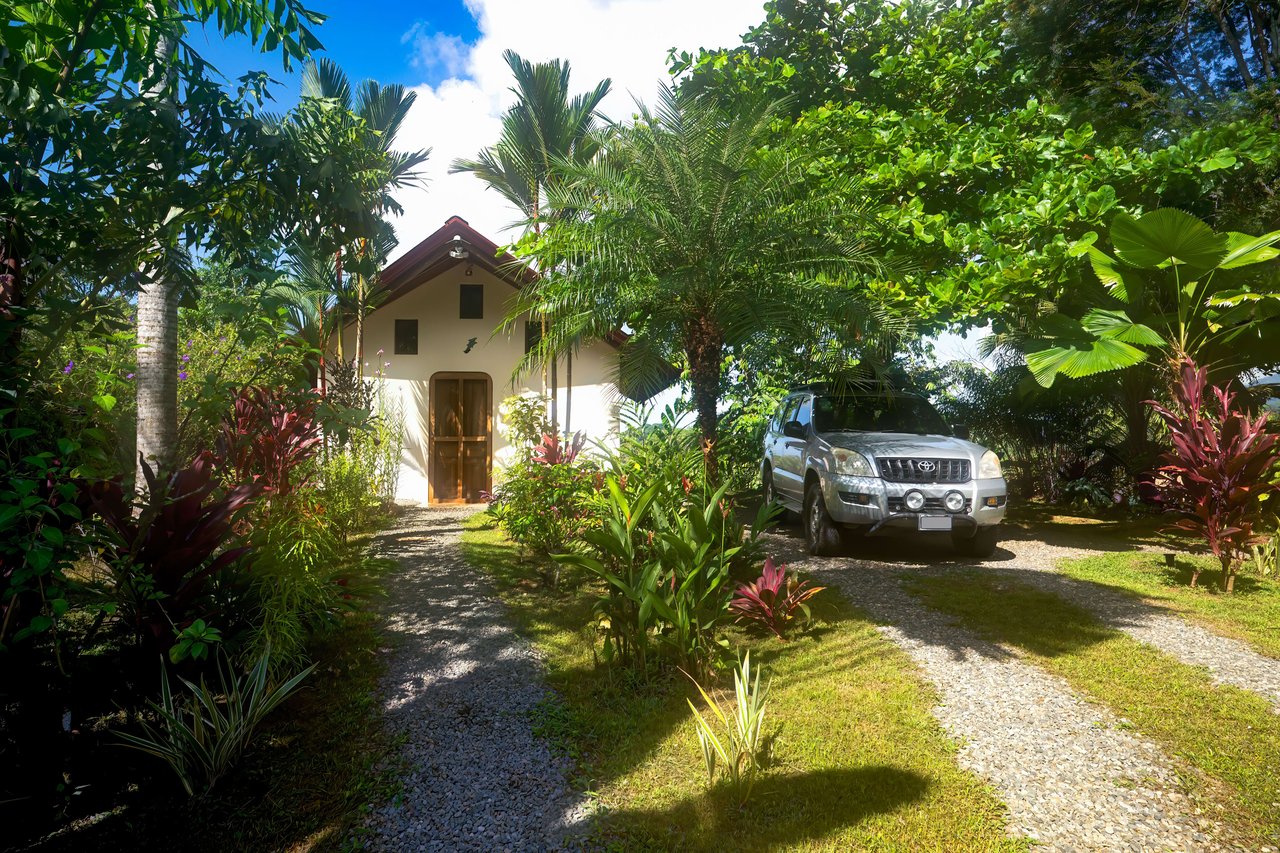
column 406, row 337
column 471, row 302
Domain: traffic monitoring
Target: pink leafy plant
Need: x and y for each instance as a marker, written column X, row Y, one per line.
column 776, row 600
column 1220, row 465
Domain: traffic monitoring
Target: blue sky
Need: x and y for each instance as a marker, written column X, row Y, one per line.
column 392, row 41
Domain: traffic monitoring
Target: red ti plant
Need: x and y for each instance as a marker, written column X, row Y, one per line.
column 775, row 600
column 266, row 438
column 551, row 452
column 164, row 552
column 1218, row 468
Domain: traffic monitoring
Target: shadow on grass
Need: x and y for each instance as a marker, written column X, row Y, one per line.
column 784, row 810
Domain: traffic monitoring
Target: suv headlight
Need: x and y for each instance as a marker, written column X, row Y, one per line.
column 851, row 463
column 989, row 466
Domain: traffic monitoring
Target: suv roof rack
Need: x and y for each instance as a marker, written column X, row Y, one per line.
column 849, row 388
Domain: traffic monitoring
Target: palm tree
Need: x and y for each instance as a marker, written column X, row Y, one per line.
column 544, row 129
column 382, row 111
column 696, row 231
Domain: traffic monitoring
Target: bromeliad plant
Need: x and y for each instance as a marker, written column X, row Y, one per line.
column 1220, row 466
column 202, row 734
column 735, row 749
column 164, row 552
column 776, row 601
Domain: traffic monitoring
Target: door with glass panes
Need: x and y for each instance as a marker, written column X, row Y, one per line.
column 461, row 432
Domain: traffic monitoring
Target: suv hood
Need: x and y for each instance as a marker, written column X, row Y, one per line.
column 904, row 444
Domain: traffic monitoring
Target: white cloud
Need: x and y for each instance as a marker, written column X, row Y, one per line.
column 437, row 54
column 626, row 40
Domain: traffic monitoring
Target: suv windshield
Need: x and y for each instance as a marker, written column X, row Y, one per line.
column 877, row 413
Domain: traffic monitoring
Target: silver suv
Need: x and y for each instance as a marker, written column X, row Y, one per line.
column 854, row 464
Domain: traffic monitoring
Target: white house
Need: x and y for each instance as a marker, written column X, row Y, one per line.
column 451, row 365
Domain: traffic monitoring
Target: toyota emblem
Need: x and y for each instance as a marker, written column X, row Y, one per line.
column 926, row 465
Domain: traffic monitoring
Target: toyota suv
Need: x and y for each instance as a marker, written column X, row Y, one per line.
column 855, row 463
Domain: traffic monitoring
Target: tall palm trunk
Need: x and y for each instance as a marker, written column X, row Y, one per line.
column 568, row 391
column 157, row 331
column 157, row 381
column 704, row 347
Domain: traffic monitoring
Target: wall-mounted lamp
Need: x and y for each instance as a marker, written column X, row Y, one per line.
column 458, row 249
column 468, row 269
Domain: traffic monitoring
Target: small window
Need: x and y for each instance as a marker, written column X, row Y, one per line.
column 789, row 411
column 406, row 337
column 802, row 414
column 471, row 302
column 532, row 335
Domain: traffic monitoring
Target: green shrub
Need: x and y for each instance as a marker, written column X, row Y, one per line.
column 201, row 735
column 545, row 499
column 667, row 557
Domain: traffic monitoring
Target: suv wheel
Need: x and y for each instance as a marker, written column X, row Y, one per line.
column 771, row 497
column 981, row 544
column 820, row 531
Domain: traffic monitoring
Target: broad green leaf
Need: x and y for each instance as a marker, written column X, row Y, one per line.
column 1124, row 286
column 1243, row 250
column 1117, row 326
column 1167, row 236
column 1084, row 359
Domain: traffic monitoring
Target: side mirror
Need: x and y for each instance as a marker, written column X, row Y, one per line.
column 960, row 431
column 793, row 429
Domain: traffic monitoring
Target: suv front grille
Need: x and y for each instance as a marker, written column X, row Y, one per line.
column 903, row 470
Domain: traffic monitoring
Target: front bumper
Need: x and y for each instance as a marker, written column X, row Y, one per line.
column 871, row 502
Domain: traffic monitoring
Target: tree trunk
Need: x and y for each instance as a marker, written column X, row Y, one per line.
column 568, row 392
column 555, row 395
column 1228, row 28
column 157, row 380
column 704, row 348
column 157, row 330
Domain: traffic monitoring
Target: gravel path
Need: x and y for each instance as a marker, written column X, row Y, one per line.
column 1229, row 661
column 1072, row 774
column 460, row 688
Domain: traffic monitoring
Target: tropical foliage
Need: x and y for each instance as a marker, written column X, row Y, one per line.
column 696, row 233
column 1221, row 465
column 776, row 601
column 1173, row 284
column 735, row 745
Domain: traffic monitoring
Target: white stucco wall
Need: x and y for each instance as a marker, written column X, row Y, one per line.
column 442, row 341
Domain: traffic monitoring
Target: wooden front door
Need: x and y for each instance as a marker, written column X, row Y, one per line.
column 461, row 437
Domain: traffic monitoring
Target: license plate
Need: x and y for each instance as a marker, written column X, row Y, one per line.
column 934, row 522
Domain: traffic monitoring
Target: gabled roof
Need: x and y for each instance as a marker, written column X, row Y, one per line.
column 435, row 255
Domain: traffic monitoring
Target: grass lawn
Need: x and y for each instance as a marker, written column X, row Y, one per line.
column 303, row 784
column 858, row 762
column 1251, row 613
column 1230, row 735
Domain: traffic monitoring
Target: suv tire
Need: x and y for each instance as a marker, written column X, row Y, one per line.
column 820, row 532
column 785, row 516
column 981, row 544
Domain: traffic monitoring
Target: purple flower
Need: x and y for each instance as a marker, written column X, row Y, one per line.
column 128, row 376
column 189, row 343
column 385, row 365
column 186, row 358
column 381, row 351
column 71, row 365
column 182, row 374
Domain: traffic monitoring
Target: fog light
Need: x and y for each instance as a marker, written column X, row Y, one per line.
column 993, row 501
column 913, row 500
column 953, row 501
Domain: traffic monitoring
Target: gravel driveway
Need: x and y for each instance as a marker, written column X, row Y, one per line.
column 1072, row 774
column 460, row 690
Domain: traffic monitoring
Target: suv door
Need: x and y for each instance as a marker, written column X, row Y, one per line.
column 789, row 453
